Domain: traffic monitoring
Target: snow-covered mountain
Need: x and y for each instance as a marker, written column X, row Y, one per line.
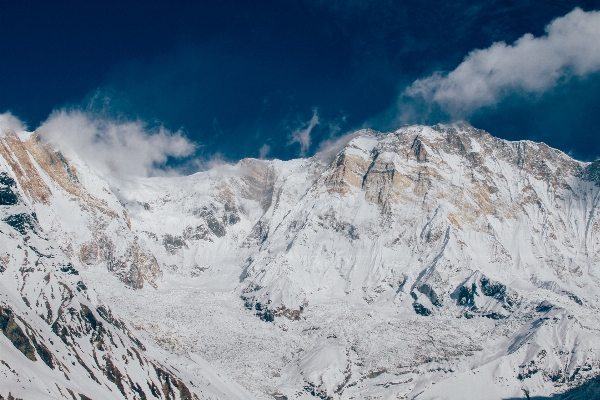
column 429, row 263
column 59, row 340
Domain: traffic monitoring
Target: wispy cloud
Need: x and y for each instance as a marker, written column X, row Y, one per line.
column 115, row 148
column 263, row 151
column 329, row 148
column 10, row 123
column 301, row 135
column 530, row 66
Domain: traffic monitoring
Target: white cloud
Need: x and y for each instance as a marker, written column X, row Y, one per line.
column 263, row 151
column 530, row 66
column 302, row 135
column 10, row 123
column 328, row 149
column 116, row 149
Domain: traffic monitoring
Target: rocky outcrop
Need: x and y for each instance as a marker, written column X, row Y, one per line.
column 15, row 154
column 133, row 265
column 592, row 172
column 481, row 296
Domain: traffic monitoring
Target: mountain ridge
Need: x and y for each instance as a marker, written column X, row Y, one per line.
column 443, row 229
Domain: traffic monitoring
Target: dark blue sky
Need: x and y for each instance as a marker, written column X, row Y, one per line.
column 236, row 75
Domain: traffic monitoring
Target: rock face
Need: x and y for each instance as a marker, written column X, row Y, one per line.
column 414, row 257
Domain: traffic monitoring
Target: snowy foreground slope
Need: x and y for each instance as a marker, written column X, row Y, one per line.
column 429, row 263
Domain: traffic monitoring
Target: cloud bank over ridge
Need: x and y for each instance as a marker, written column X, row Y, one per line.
column 116, row 148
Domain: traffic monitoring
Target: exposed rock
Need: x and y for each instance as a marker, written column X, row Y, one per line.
column 134, row 265
column 15, row 334
column 173, row 243
column 8, row 197
column 592, row 172
column 23, row 223
column 259, row 234
column 16, row 155
column 484, row 297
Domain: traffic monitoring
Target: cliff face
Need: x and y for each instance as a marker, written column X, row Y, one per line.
column 413, row 258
